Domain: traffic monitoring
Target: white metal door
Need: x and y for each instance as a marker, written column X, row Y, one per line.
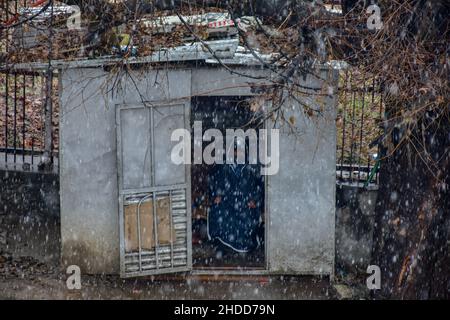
column 154, row 193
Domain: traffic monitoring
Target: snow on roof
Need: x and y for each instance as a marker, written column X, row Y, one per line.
column 223, row 51
column 216, row 51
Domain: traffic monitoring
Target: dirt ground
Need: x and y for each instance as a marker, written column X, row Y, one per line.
column 27, row 278
column 52, row 285
column 30, row 269
column 24, row 277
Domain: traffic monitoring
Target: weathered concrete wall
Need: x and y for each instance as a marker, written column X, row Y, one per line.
column 29, row 214
column 29, row 193
column 88, row 179
column 355, row 210
column 213, row 81
column 89, row 192
column 302, row 195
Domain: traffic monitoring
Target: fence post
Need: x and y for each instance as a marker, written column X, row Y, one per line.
column 47, row 158
column 46, row 161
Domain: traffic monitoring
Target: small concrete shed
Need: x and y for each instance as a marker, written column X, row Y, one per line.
column 115, row 157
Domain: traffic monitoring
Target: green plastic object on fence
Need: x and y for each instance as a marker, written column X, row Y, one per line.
column 372, row 173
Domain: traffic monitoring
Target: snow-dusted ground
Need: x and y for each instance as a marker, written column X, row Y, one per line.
column 52, row 285
column 30, row 269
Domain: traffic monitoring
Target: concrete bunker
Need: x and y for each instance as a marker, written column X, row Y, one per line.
column 126, row 208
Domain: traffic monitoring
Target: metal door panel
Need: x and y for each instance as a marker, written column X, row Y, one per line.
column 165, row 121
column 147, row 179
column 135, row 125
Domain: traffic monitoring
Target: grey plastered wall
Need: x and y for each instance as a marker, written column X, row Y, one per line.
column 302, row 195
column 88, row 165
column 214, row 81
column 355, row 222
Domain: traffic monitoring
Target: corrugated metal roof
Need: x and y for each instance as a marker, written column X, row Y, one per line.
column 224, row 50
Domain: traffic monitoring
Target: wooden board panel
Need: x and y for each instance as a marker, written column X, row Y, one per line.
column 147, row 225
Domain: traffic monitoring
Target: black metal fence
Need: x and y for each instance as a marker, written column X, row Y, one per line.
column 359, row 125
column 23, row 98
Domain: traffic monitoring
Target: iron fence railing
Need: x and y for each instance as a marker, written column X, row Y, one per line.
column 27, row 99
column 23, row 97
column 359, row 119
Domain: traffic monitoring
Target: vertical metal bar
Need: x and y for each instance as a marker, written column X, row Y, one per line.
column 361, row 127
column 7, row 30
column 155, row 227
column 266, row 211
column 344, row 113
column 40, row 83
column 23, row 116
column 6, row 115
column 52, row 133
column 152, row 148
column 15, row 117
column 171, row 227
column 369, row 162
column 380, row 92
column 48, row 154
column 48, row 119
column 138, row 213
column 352, row 132
column 187, row 190
column 121, row 196
column 32, row 150
column 139, row 235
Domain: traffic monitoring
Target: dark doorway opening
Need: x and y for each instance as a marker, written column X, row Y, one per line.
column 216, row 223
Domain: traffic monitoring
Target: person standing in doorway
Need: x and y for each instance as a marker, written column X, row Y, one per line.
column 237, row 195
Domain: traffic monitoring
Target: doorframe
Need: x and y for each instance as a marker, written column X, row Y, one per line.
column 186, row 103
column 250, row 271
